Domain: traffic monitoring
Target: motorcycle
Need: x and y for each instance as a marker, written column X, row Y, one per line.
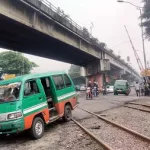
column 88, row 93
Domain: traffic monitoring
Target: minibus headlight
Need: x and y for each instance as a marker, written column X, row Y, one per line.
column 14, row 115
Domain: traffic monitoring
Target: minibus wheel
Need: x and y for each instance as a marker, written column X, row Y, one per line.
column 37, row 129
column 67, row 113
column 115, row 93
column 3, row 135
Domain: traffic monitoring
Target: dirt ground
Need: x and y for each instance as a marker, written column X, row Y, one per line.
column 58, row 136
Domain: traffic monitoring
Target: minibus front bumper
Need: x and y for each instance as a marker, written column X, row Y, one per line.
column 13, row 126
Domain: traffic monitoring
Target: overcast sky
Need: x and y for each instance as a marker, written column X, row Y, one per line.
column 109, row 18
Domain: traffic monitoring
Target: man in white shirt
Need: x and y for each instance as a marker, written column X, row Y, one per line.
column 137, row 89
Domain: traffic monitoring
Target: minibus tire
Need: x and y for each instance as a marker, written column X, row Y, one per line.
column 67, row 113
column 3, row 135
column 115, row 93
column 36, row 121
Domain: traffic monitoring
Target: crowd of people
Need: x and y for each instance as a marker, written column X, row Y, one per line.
column 93, row 89
column 142, row 89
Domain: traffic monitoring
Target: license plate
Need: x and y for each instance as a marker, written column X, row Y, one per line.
column 119, row 90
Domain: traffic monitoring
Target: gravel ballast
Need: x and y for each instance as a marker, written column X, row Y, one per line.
column 134, row 119
column 115, row 137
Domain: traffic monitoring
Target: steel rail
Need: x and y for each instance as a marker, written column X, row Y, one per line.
column 119, row 126
column 144, row 110
column 139, row 104
column 100, row 142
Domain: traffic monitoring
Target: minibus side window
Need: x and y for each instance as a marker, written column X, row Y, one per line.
column 67, row 81
column 46, row 85
column 30, row 88
column 59, row 82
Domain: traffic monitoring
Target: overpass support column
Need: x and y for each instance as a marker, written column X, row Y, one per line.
column 97, row 71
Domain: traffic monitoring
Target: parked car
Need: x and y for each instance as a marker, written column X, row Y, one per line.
column 77, row 87
column 132, row 85
column 82, row 88
column 110, row 89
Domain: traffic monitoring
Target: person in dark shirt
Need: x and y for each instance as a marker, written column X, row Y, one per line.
column 95, row 89
column 89, row 84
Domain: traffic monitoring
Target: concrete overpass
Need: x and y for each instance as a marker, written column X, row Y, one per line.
column 37, row 27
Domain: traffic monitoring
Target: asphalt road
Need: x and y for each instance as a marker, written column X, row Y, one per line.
column 101, row 103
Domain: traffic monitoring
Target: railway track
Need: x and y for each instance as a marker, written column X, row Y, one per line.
column 139, row 104
column 99, row 141
column 106, row 145
column 130, row 105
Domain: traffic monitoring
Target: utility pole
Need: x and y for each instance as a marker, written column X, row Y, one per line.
column 142, row 30
column 135, row 53
column 148, row 65
column 143, row 39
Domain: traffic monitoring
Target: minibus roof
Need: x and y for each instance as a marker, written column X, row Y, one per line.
column 30, row 76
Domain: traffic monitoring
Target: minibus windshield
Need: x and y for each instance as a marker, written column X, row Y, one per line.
column 9, row 92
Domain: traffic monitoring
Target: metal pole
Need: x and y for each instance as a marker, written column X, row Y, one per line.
column 135, row 53
column 139, row 8
column 144, row 54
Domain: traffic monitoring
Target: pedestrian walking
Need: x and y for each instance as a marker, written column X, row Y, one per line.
column 137, row 88
column 95, row 89
column 142, row 88
column 104, row 89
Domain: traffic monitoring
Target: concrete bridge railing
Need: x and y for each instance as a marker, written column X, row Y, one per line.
column 46, row 18
column 58, row 15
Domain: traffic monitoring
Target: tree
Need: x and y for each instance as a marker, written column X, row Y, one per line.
column 15, row 63
column 146, row 17
column 74, row 72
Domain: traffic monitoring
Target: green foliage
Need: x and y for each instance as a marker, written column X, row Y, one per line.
column 146, row 18
column 74, row 72
column 15, row 63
